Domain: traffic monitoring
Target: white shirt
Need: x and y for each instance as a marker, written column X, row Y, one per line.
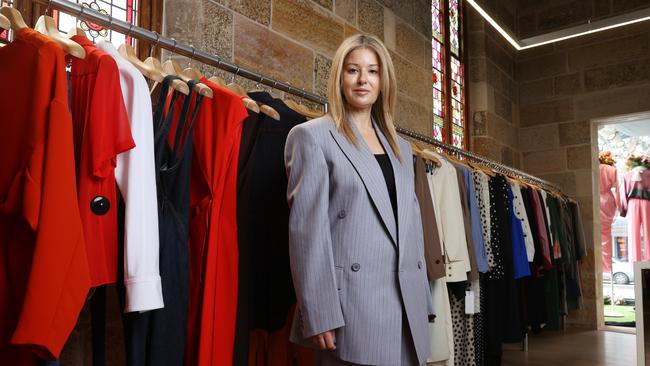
column 443, row 185
column 520, row 212
column 136, row 178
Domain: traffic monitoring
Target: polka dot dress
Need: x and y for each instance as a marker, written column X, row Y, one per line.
column 463, row 325
column 499, row 224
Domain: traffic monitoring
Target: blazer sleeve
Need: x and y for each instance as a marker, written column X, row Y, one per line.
column 310, row 243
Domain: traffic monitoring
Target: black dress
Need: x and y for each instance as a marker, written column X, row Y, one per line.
column 157, row 337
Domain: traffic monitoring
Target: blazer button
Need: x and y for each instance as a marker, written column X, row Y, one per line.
column 356, row 267
column 437, row 261
column 420, row 264
column 342, row 214
column 100, row 205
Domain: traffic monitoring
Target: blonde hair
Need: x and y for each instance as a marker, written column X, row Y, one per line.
column 383, row 108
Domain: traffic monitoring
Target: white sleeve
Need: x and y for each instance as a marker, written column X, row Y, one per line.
column 136, row 178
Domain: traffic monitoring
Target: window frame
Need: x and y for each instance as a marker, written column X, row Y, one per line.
column 150, row 16
column 447, row 132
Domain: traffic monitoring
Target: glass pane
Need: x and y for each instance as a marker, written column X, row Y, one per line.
column 438, row 128
column 457, row 113
column 5, row 35
column 456, row 71
column 458, row 137
column 454, row 26
column 436, row 20
column 437, row 61
column 438, row 109
column 125, row 10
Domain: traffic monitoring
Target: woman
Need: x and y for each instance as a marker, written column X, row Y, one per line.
column 355, row 231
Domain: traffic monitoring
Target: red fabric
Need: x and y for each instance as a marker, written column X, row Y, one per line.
column 213, row 229
column 101, row 132
column 44, row 276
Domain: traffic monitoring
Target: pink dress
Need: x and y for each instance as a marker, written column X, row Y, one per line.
column 608, row 205
column 635, row 205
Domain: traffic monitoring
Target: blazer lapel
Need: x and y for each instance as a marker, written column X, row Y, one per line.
column 370, row 173
column 400, row 183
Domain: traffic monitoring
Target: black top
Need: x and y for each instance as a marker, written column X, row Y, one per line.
column 387, row 169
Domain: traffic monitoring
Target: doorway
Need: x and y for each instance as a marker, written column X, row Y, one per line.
column 622, row 144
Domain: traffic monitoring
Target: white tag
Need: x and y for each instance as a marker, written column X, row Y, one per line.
column 469, row 302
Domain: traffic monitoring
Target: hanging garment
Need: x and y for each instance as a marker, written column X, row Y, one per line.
column 635, row 205
column 213, row 236
column 442, row 326
column 44, row 275
column 519, row 209
column 518, row 246
column 242, row 329
column 443, row 183
column 467, row 226
column 481, row 182
column 608, row 205
column 157, row 337
column 474, row 218
column 579, row 231
column 432, row 245
column 266, row 287
column 552, row 278
column 463, row 325
column 101, row 132
column 136, row 178
column 540, row 222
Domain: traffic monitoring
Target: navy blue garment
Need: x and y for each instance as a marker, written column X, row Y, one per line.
column 157, row 337
column 519, row 257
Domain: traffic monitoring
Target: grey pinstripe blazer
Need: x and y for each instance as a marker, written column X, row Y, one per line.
column 353, row 270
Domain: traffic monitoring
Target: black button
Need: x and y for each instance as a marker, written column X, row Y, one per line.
column 342, row 214
column 356, row 267
column 437, row 261
column 420, row 264
column 100, row 205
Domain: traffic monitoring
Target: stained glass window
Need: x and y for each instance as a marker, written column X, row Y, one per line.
column 125, row 10
column 454, row 36
column 5, row 34
column 449, row 123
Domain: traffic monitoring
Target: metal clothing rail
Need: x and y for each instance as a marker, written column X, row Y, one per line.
column 172, row 45
column 498, row 167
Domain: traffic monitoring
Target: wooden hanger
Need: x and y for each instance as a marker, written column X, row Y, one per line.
column 155, row 65
column 5, row 23
column 302, row 109
column 482, row 168
column 172, row 67
column 249, row 103
column 218, row 80
column 425, row 154
column 47, row 26
column 16, row 21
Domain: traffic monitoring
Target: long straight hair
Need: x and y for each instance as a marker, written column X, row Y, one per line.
column 383, row 109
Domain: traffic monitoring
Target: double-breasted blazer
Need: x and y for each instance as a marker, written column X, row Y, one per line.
column 354, row 268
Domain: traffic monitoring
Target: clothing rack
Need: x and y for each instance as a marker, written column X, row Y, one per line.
column 172, row 45
column 498, row 167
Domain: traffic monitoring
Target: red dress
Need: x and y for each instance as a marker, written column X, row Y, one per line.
column 213, row 229
column 44, row 275
column 101, row 132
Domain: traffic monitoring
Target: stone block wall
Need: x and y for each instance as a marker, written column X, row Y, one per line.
column 493, row 91
column 562, row 88
column 536, row 17
column 295, row 40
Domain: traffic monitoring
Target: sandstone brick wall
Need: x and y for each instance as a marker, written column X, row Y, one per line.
column 295, row 40
column 563, row 87
column 536, row 17
column 493, row 93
